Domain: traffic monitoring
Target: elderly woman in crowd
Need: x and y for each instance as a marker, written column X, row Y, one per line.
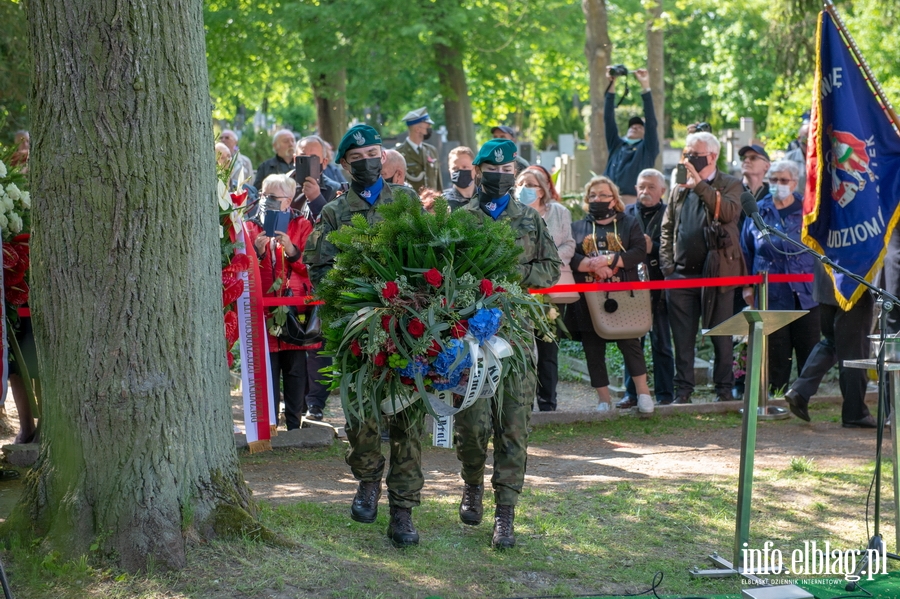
column 535, row 188
column 609, row 245
column 782, row 209
column 280, row 260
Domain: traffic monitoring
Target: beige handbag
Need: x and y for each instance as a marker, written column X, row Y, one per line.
column 565, row 278
column 620, row 314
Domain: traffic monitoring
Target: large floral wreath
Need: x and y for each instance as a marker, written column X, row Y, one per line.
column 419, row 305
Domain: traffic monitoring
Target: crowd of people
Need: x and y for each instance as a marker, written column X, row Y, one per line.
column 637, row 225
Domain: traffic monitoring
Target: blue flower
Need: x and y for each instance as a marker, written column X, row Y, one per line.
column 445, row 360
column 485, row 324
column 417, row 365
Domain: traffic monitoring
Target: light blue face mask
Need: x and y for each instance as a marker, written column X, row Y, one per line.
column 526, row 195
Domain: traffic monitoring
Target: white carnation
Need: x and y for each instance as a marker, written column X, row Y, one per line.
column 224, row 200
column 2, row 169
column 26, row 199
column 8, row 203
column 15, row 222
column 13, row 192
column 4, row 222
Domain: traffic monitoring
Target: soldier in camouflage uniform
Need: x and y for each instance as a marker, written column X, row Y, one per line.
column 361, row 153
column 507, row 416
column 423, row 167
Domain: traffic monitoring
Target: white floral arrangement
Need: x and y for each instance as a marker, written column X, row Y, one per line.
column 15, row 203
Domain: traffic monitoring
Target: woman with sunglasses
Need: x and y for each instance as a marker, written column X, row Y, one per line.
column 280, row 261
column 609, row 245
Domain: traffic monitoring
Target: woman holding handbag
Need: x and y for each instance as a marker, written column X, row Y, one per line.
column 534, row 188
column 609, row 245
column 282, row 273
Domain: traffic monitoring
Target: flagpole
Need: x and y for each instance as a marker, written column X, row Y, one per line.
column 832, row 10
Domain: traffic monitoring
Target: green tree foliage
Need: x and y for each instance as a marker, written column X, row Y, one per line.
column 15, row 67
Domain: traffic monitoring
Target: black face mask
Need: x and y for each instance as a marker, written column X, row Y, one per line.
column 601, row 210
column 427, row 134
column 461, row 179
column 698, row 162
column 496, row 185
column 365, row 172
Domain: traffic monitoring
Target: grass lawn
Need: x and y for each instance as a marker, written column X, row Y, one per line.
column 604, row 539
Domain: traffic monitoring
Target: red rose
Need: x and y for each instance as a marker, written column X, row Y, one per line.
column 433, row 277
column 355, row 348
column 386, row 322
column 407, row 381
column 459, row 330
column 486, row 287
column 390, row 290
column 416, row 328
column 380, row 359
column 435, row 348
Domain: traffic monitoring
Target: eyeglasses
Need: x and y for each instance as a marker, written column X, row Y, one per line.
column 703, row 127
column 274, row 197
column 690, row 155
column 751, row 157
column 780, row 180
column 600, row 196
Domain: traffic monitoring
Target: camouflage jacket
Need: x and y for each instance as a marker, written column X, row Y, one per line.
column 423, row 168
column 319, row 253
column 539, row 263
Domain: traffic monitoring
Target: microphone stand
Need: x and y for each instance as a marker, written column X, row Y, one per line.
column 888, row 302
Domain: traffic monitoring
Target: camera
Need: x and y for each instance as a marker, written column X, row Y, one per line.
column 618, row 70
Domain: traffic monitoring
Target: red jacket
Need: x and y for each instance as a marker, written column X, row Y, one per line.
column 274, row 265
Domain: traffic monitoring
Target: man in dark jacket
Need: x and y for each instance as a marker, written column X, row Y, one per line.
column 686, row 254
column 638, row 150
column 283, row 160
column 649, row 211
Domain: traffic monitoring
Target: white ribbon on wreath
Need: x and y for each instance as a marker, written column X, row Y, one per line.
column 484, row 379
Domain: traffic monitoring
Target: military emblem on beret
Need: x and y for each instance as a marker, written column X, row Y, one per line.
column 498, row 155
column 359, row 138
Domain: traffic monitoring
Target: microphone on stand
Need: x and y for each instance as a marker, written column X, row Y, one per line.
column 751, row 209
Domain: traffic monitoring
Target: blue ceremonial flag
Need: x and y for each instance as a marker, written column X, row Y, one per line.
column 853, row 166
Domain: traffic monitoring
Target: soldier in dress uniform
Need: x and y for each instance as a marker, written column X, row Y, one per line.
column 423, row 169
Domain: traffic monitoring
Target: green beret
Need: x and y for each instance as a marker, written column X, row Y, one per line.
column 358, row 136
column 496, row 151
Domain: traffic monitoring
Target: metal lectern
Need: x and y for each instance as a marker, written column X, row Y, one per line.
column 761, row 323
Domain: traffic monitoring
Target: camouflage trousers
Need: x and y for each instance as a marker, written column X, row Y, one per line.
column 506, row 416
column 404, row 477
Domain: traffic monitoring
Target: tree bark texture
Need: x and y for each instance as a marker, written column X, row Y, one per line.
column 656, row 67
column 597, row 49
column 137, row 449
column 455, row 91
column 330, row 91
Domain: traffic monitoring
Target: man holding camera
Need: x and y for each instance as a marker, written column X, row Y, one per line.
column 699, row 239
column 638, row 150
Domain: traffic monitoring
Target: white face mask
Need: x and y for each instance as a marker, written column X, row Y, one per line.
column 781, row 192
column 526, row 195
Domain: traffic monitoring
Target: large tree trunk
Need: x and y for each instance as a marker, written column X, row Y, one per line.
column 597, row 49
column 656, row 67
column 331, row 106
column 455, row 90
column 137, row 451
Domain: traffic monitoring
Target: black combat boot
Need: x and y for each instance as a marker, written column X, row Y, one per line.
column 504, row 537
column 365, row 505
column 401, row 531
column 471, row 509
